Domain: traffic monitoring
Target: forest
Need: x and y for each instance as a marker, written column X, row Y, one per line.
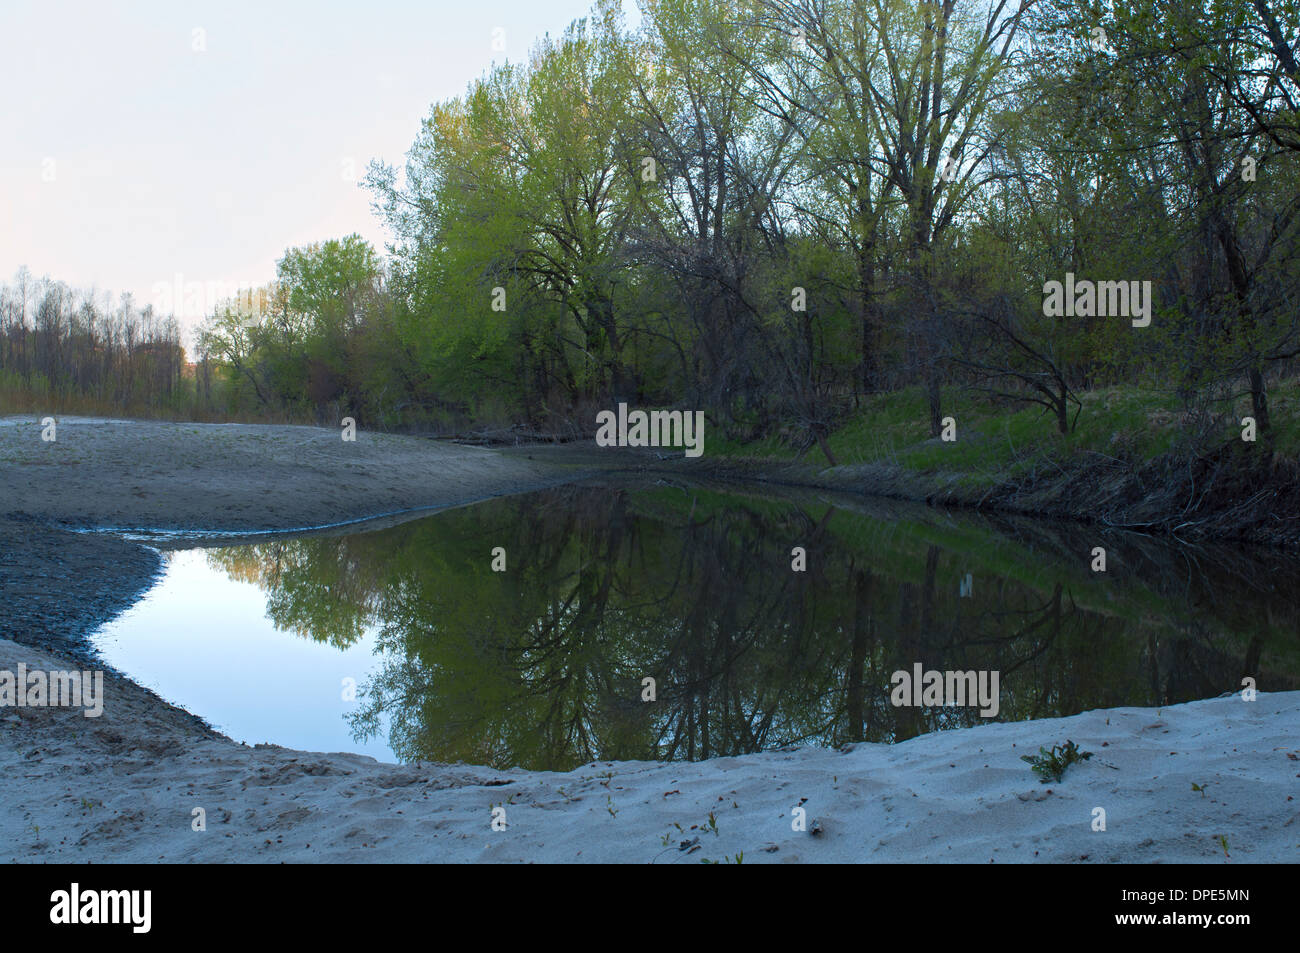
column 782, row 213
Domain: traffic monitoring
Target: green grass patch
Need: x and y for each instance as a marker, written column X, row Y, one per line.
column 998, row 440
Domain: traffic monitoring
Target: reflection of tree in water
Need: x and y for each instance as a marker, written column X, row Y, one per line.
column 542, row 666
column 328, row 589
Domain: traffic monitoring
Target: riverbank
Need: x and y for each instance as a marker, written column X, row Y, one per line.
column 126, row 474
column 1192, row 500
column 130, row 786
column 1134, row 460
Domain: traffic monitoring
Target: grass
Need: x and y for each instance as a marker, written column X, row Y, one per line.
column 994, row 438
column 997, row 440
column 1050, row 765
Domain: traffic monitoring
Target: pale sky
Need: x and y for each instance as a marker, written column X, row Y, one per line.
column 158, row 145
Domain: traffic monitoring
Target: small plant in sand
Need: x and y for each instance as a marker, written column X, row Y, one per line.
column 1051, row 765
column 738, row 859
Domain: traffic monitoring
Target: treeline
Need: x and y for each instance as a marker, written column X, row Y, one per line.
column 318, row 342
column 59, row 346
column 770, row 210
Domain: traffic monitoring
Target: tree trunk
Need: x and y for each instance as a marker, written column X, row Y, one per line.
column 935, row 395
column 1258, row 398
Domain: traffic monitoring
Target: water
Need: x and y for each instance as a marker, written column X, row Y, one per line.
column 206, row 639
column 543, row 665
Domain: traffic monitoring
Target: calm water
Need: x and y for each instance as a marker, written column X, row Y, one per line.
column 541, row 666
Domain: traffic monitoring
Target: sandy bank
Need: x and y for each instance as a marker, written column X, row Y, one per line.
column 130, row 474
column 124, row 787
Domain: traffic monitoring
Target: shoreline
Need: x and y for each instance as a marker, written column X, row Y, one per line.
column 232, row 478
column 1112, row 496
column 1226, row 497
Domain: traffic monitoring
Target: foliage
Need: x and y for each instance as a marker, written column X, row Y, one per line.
column 1050, row 765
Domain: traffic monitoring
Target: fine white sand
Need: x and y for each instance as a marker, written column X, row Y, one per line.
column 124, row 787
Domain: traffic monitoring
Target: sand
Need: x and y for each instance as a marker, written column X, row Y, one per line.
column 115, row 474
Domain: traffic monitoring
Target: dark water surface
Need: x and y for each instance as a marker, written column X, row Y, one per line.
column 542, row 665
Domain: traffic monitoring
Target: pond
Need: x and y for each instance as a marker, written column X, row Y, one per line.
column 521, row 631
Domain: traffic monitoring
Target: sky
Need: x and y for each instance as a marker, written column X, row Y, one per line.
column 174, row 150
column 204, row 641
